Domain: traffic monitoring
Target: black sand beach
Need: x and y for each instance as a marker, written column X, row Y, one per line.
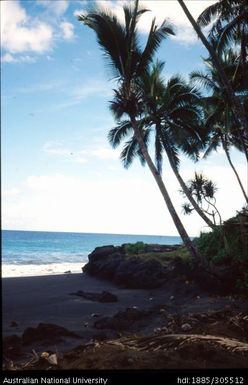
column 27, row 301
column 30, row 301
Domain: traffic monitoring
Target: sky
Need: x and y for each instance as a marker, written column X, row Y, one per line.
column 59, row 173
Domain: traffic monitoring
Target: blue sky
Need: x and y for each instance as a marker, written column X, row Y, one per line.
column 58, row 171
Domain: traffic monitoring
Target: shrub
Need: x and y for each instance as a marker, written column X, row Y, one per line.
column 228, row 244
column 135, row 248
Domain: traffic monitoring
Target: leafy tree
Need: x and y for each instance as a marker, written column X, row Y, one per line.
column 219, row 119
column 203, row 191
column 172, row 114
column 228, row 19
column 235, row 102
column 121, row 46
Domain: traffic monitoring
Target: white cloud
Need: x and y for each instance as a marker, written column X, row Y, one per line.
column 114, row 201
column 11, row 192
column 56, row 148
column 163, row 9
column 9, row 58
column 104, row 153
column 83, row 4
column 79, row 12
column 80, row 155
column 67, row 30
column 57, row 7
column 88, row 88
column 41, row 87
column 21, row 33
column 60, row 202
column 92, row 87
column 68, row 154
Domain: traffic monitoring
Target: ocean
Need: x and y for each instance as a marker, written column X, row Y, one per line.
column 30, row 253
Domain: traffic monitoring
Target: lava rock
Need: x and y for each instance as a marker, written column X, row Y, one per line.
column 122, row 320
column 104, row 296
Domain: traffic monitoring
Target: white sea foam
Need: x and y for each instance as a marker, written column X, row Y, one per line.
column 35, row 270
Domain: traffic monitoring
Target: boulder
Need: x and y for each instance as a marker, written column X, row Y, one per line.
column 122, row 320
column 104, row 296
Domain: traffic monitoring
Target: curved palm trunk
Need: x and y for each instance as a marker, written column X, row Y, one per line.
column 234, row 169
column 238, row 108
column 185, row 187
column 217, row 211
column 180, row 228
column 187, row 192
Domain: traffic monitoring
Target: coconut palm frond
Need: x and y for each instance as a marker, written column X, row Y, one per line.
column 208, row 14
column 213, row 144
column 116, row 135
column 155, row 37
column 111, row 38
column 129, row 152
column 204, row 80
column 229, row 32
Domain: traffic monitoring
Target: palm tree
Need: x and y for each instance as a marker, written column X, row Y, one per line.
column 173, row 110
column 229, row 25
column 220, row 121
column 235, row 102
column 122, row 49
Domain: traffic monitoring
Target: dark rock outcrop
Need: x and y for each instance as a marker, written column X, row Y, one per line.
column 113, row 263
column 147, row 271
column 104, row 296
column 123, row 320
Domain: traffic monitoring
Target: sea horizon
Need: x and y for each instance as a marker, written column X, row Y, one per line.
column 32, row 253
column 93, row 232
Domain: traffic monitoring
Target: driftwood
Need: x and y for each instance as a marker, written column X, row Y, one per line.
column 181, row 341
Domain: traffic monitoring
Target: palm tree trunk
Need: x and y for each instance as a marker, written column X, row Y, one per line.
column 238, row 108
column 180, row 228
column 188, row 193
column 217, row 211
column 234, row 169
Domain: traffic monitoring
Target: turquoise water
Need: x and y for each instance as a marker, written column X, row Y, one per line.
column 38, row 252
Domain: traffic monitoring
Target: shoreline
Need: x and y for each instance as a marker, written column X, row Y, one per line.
column 32, row 270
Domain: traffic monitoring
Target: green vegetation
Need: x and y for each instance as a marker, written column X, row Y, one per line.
column 138, row 249
column 135, row 248
column 227, row 245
